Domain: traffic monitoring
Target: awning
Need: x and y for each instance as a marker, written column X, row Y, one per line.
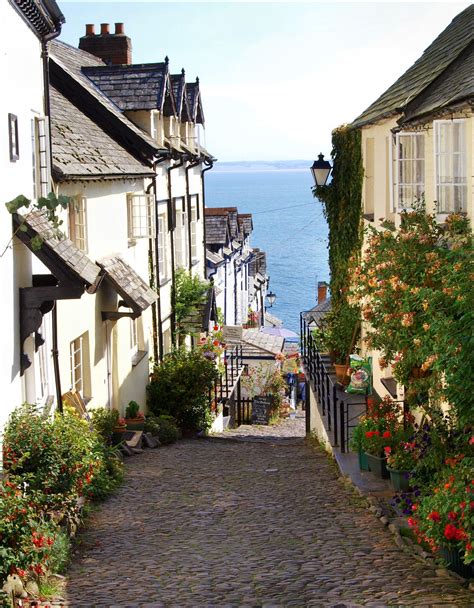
column 135, row 292
column 272, row 321
column 214, row 258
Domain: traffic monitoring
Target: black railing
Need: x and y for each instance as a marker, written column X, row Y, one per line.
column 226, row 389
column 339, row 411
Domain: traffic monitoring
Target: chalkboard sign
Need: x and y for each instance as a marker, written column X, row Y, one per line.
column 261, row 409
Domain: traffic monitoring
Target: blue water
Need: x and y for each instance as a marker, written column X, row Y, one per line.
column 288, row 224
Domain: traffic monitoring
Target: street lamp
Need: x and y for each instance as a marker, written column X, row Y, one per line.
column 321, row 169
column 271, row 297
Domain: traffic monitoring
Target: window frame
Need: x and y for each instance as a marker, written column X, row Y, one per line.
column 145, row 204
column 417, row 187
column 77, row 381
column 180, row 232
column 41, row 156
column 162, row 253
column 462, row 154
column 77, row 211
column 13, row 141
column 193, row 204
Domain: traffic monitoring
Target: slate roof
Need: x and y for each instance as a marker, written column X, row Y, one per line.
column 272, row 320
column 43, row 17
column 217, row 226
column 436, row 58
column 318, row 312
column 245, row 220
column 81, row 149
column 178, row 85
column 70, row 61
column 194, row 101
column 214, row 258
column 132, row 87
column 454, row 86
column 128, row 283
column 63, row 250
column 257, row 344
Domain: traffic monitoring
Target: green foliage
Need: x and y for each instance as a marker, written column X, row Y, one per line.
column 190, row 294
column 104, row 422
column 416, row 290
column 168, row 431
column 342, row 207
column 132, row 410
column 152, row 425
column 179, row 387
column 60, row 552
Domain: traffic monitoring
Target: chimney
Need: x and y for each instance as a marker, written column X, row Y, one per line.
column 322, row 291
column 114, row 48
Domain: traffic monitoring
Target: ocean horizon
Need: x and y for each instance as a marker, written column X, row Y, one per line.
column 288, row 224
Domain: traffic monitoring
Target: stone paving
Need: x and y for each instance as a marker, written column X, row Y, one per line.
column 258, row 521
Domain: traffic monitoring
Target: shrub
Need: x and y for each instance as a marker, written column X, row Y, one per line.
column 152, row 425
column 132, row 410
column 168, row 431
column 179, row 387
column 104, row 422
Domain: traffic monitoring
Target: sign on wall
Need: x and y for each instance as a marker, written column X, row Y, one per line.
column 232, row 333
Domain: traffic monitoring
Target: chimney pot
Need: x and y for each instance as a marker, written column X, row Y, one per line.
column 119, row 28
column 322, row 291
column 104, row 29
column 90, row 29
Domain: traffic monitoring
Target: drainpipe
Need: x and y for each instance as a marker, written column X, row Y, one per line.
column 55, row 353
column 157, row 348
column 225, row 291
column 211, row 164
column 235, row 293
column 172, row 224
column 188, row 202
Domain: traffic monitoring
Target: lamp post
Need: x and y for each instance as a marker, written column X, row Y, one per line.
column 271, row 297
column 321, row 169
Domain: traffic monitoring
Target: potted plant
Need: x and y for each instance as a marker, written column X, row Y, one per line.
column 134, row 418
column 357, row 441
column 375, row 443
column 443, row 516
column 119, row 429
column 401, row 460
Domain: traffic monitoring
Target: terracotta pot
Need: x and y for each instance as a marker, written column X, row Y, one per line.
column 135, row 424
column 341, row 373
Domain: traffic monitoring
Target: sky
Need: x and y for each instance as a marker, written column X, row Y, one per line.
column 275, row 77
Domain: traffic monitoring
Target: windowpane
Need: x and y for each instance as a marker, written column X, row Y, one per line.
column 450, row 152
column 140, row 216
column 411, row 168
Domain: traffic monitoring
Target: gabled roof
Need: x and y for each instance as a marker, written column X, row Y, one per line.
column 56, row 250
column 435, row 60
column 194, row 100
column 318, row 312
column 42, row 16
column 178, row 85
column 455, row 86
column 66, row 64
column 135, row 87
column 245, row 221
column 81, row 149
column 214, row 258
column 217, row 229
column 128, row 283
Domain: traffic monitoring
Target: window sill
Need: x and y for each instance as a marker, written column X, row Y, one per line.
column 194, row 261
column 165, row 282
column 369, row 217
column 138, row 356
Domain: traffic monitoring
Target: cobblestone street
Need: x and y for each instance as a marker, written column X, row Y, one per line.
column 262, row 523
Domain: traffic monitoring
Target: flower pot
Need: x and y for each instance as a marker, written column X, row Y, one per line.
column 453, row 558
column 363, row 463
column 341, row 373
column 400, row 479
column 118, row 434
column 378, row 466
column 135, row 424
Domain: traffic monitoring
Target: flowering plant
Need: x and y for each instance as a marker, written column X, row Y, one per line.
column 445, row 518
column 403, row 456
column 413, row 287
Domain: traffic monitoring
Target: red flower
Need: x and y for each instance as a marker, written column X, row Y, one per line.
column 452, row 516
column 471, row 440
column 387, row 449
column 216, row 327
column 462, row 504
column 369, row 434
column 468, row 547
column 387, row 434
column 411, row 522
column 377, row 433
column 434, row 516
column 216, row 343
column 453, row 533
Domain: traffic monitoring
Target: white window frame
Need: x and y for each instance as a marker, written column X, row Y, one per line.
column 452, row 183
column 162, row 248
column 78, row 222
column 417, row 186
column 134, row 341
column 194, row 207
column 76, row 361
column 41, row 156
column 140, row 216
column 180, row 233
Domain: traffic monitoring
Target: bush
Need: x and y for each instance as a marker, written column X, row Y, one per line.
column 104, row 422
column 179, row 387
column 168, row 431
column 152, row 425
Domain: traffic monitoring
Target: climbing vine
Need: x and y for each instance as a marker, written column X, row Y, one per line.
column 342, row 208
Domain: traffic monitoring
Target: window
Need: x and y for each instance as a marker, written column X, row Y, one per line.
column 40, row 147
column 76, row 355
column 180, row 233
column 167, row 341
column 194, row 204
column 162, row 251
column 450, row 165
column 78, row 222
column 410, row 168
column 13, row 137
column 133, row 336
column 140, row 216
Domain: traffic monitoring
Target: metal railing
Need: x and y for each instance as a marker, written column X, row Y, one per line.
column 227, row 385
column 339, row 411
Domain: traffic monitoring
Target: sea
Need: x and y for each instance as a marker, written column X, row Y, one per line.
column 288, row 224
